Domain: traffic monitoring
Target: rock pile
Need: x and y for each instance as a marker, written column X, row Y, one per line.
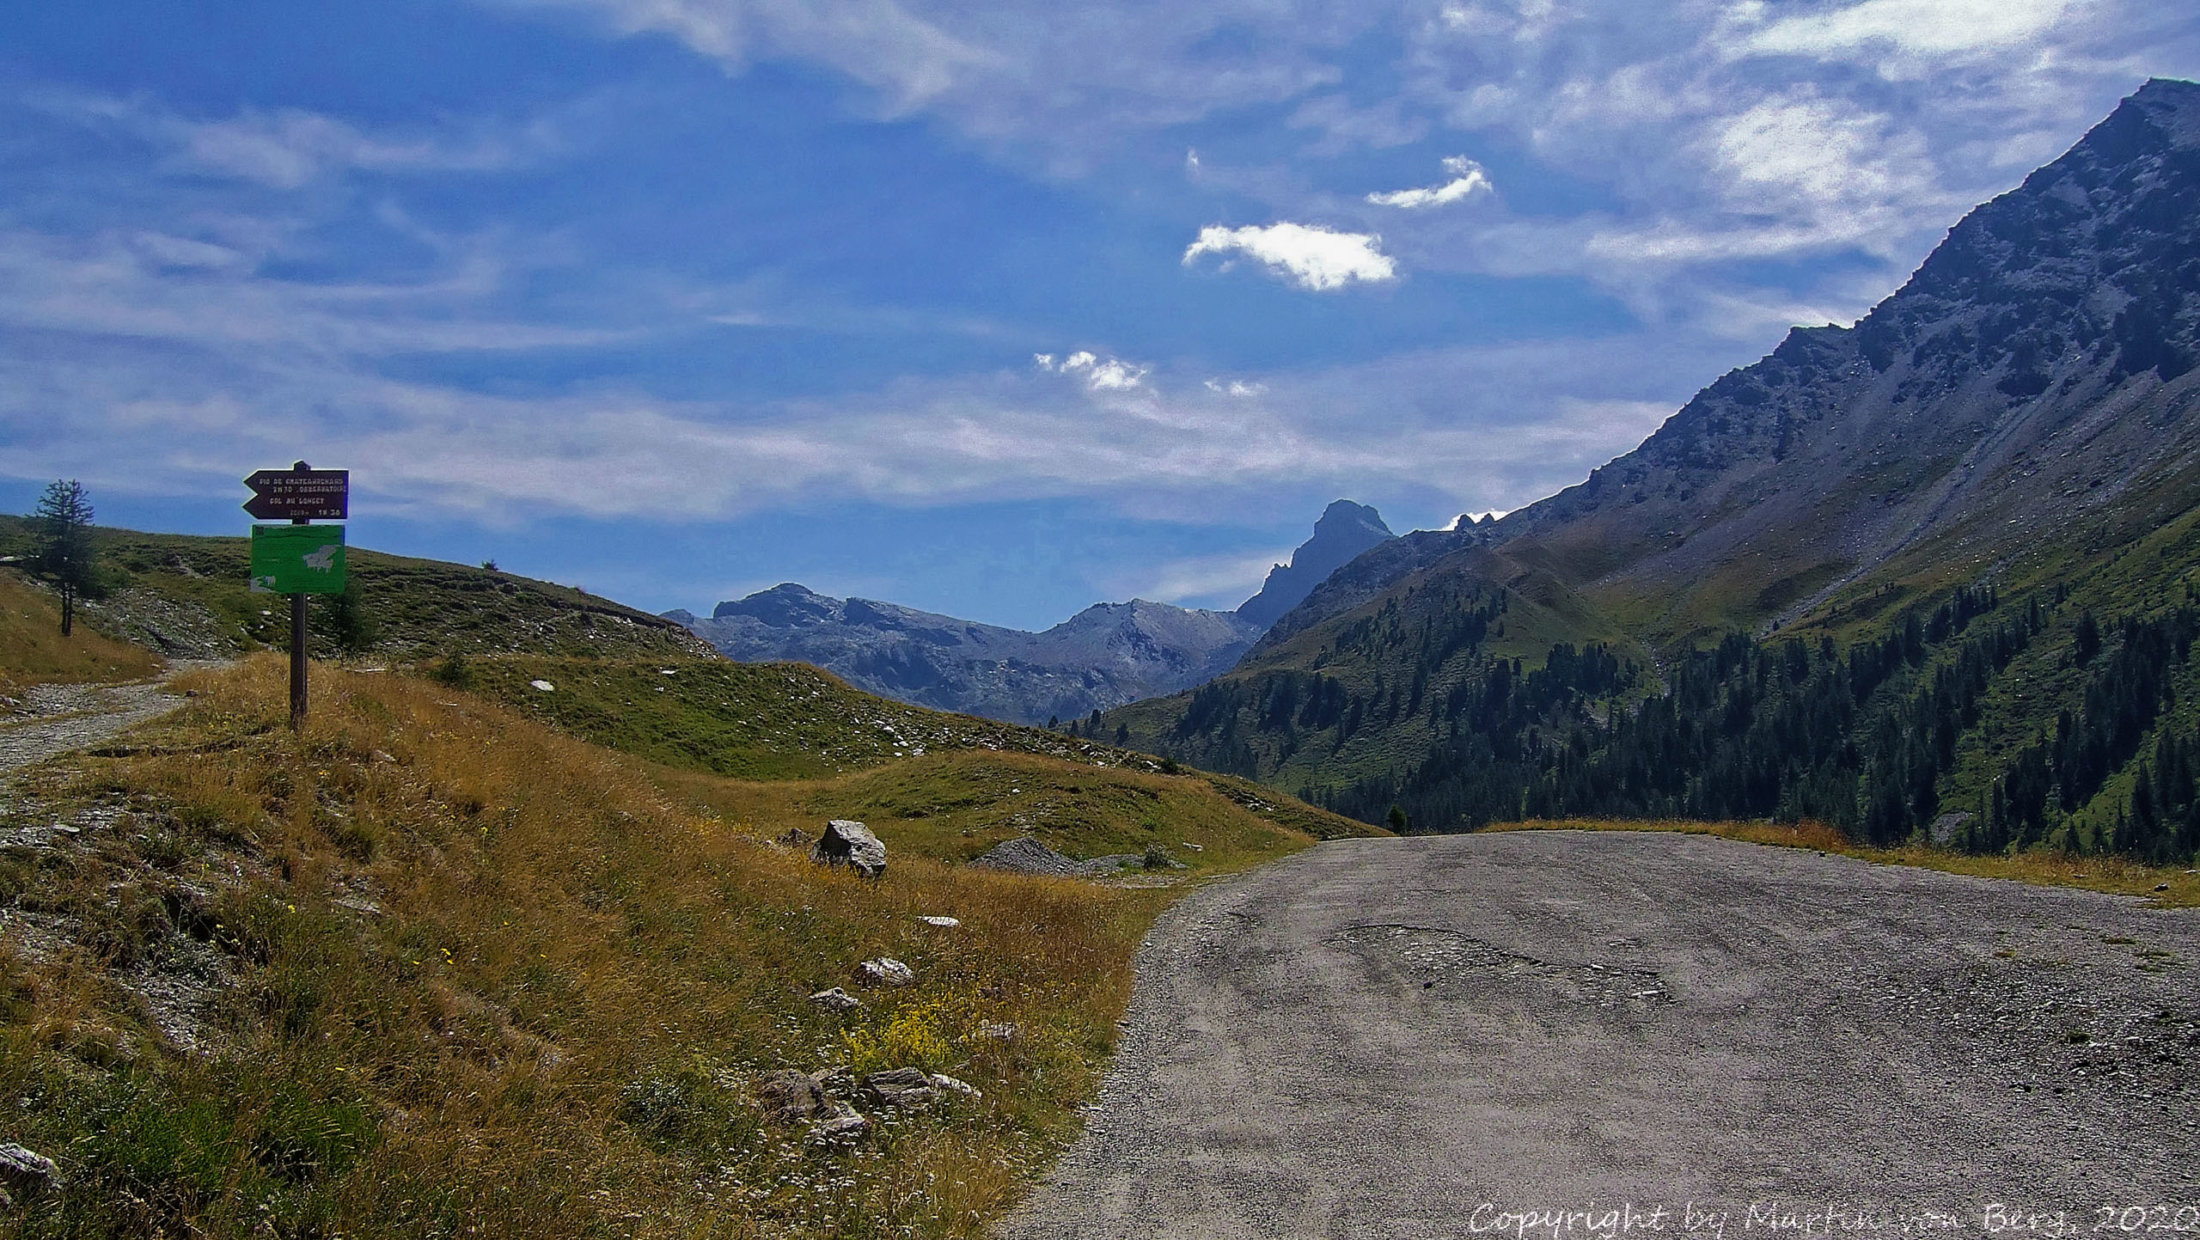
column 827, row 1097
column 1025, row 855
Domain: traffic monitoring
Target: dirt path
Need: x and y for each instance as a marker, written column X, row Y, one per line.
column 1452, row 1037
column 69, row 717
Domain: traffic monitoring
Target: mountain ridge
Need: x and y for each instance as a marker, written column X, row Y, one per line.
column 1104, row 656
column 1949, row 550
column 1989, row 359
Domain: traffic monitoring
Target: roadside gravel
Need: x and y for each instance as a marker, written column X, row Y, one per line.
column 62, row 718
column 1533, row 1034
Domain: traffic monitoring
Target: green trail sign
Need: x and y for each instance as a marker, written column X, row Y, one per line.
column 298, row 559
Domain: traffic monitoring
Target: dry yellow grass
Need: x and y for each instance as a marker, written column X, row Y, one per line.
column 2168, row 886
column 472, row 976
column 33, row 652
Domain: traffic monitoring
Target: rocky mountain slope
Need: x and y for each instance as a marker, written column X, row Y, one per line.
column 1104, row 656
column 1344, row 531
column 2012, row 429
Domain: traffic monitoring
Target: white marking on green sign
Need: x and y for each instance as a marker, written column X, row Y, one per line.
column 298, row 559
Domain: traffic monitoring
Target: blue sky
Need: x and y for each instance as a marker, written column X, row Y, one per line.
column 996, row 310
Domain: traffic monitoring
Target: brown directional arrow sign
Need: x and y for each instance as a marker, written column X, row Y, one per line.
column 299, row 494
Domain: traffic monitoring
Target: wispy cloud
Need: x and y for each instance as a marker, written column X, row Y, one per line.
column 1936, row 28
column 1310, row 256
column 289, row 148
column 1223, row 580
column 881, row 43
column 1235, row 387
column 1100, row 374
column 1467, row 180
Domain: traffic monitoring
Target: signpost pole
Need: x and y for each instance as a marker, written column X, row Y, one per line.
column 298, row 643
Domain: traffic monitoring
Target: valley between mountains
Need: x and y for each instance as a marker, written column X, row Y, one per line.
column 1820, row 708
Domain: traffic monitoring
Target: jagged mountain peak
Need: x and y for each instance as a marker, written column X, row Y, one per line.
column 1344, row 530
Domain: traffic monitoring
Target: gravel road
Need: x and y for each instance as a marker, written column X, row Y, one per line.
column 1533, row 1034
column 68, row 717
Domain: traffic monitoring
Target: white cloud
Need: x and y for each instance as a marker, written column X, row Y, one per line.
column 1310, row 256
column 1099, row 374
column 1939, row 28
column 1235, row 387
column 1467, row 180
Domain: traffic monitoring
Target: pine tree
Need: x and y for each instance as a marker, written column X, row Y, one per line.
column 64, row 555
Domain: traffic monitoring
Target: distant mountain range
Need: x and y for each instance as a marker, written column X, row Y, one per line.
column 1934, row 574
column 1102, row 657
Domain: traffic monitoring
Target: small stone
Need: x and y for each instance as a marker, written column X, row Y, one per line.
column 836, row 1000
column 2161, row 886
column 844, row 1125
column 788, row 1096
column 948, row 1084
column 27, row 1173
column 885, row 971
column 944, row 923
column 543, row 686
column 908, row 1089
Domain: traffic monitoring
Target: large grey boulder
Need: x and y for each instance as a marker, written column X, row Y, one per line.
column 850, row 843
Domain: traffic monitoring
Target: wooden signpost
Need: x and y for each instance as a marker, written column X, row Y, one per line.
column 301, row 558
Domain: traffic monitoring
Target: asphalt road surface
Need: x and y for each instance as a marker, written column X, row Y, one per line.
column 1575, row 1035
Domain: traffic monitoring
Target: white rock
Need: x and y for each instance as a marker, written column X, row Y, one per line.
column 27, row 1171
column 941, row 1080
column 885, row 971
column 945, row 923
column 836, row 999
column 543, row 685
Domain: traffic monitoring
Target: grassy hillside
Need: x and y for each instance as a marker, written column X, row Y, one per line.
column 749, row 720
column 186, row 594
column 440, row 966
column 33, row 652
